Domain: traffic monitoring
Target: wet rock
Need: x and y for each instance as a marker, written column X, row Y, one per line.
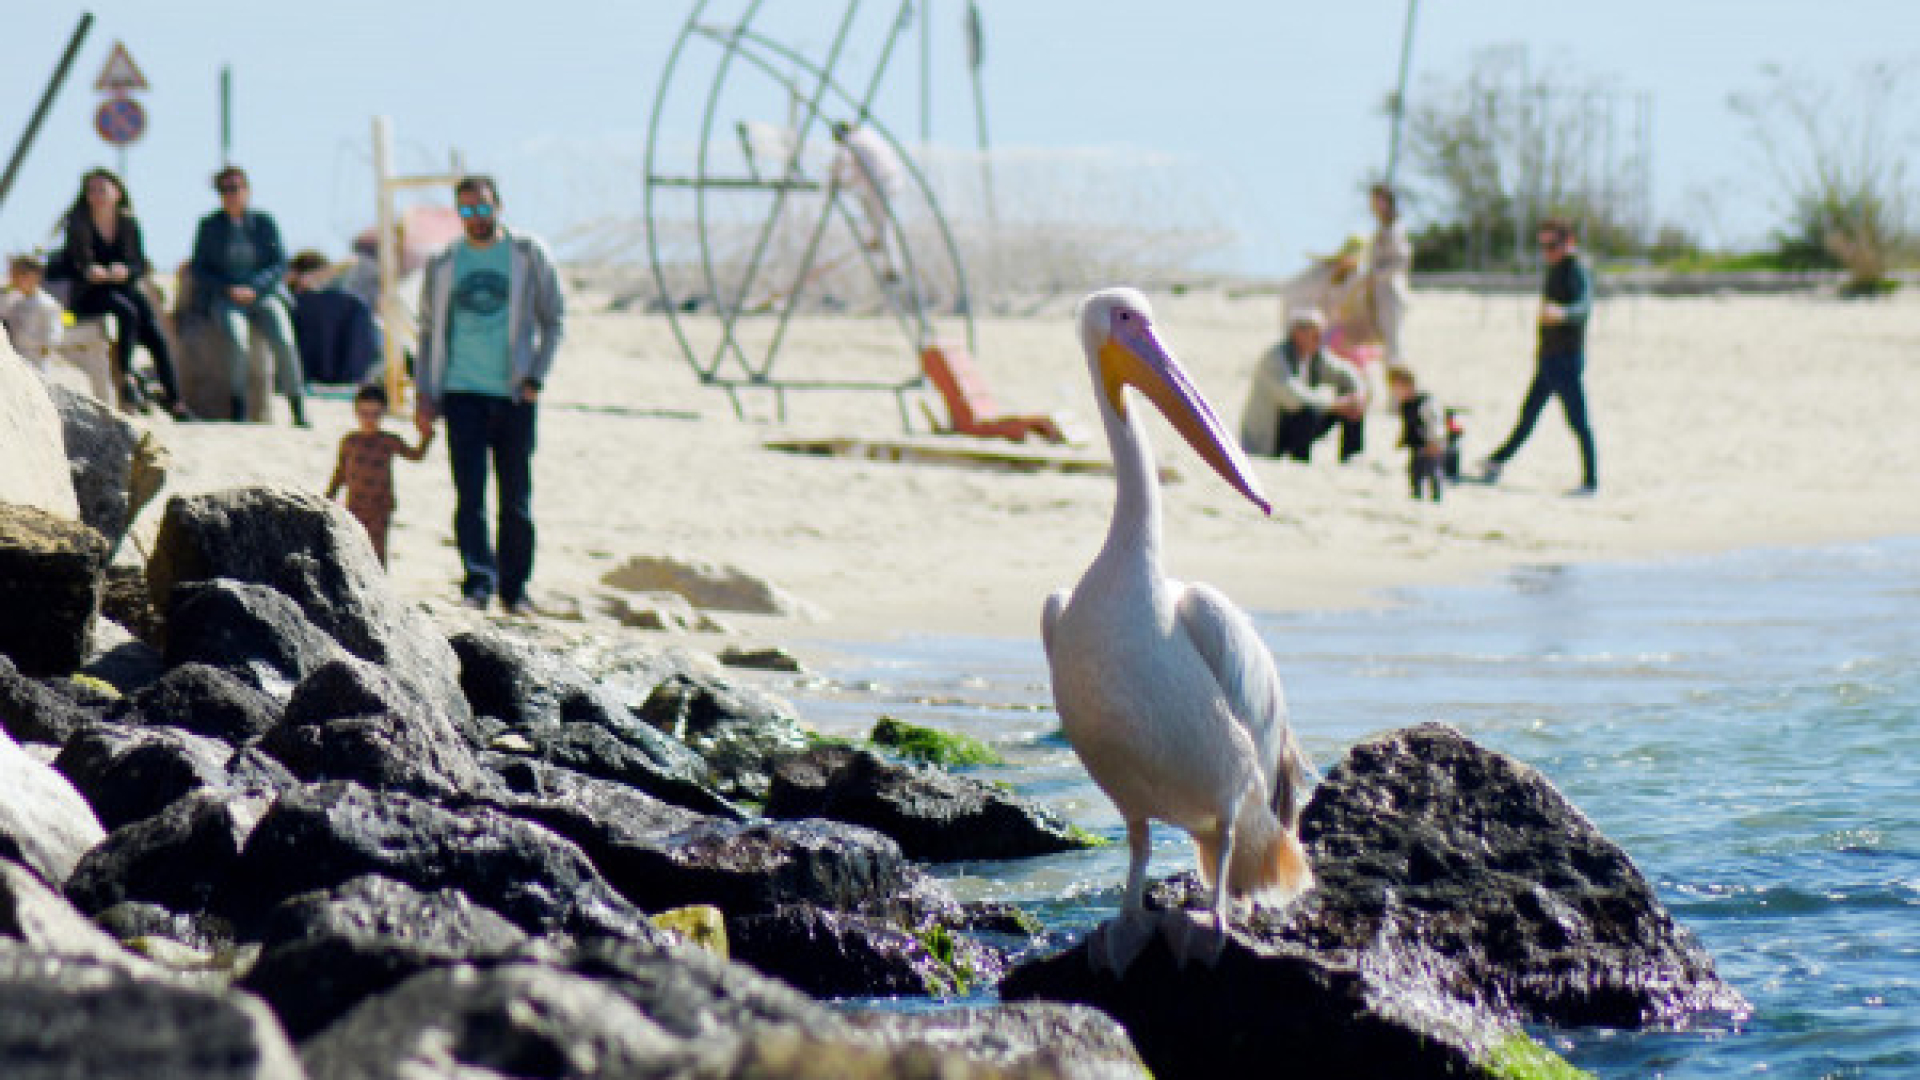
column 1458, row 893
column 349, row 721
column 138, row 924
column 571, row 721
column 249, row 631
column 763, row 659
column 1319, row 1015
column 931, row 745
column 324, row 952
column 932, row 814
column 49, row 589
column 319, row 836
column 31, row 711
column 100, row 449
column 833, row 954
column 737, row 730
column 127, row 773
column 1435, row 853
column 207, row 701
column 506, row 1020
column 313, row 552
column 44, row 923
column 36, row 473
column 1075, row 1042
column 45, row 824
column 184, row 858
column 61, row 1020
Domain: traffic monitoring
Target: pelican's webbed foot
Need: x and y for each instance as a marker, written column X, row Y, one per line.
column 1194, row 936
column 1115, row 944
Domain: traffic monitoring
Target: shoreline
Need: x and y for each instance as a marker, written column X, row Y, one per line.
column 1724, row 424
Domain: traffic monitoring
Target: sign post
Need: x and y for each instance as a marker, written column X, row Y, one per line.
column 120, row 119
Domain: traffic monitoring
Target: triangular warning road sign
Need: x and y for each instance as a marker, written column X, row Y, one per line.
column 120, row 75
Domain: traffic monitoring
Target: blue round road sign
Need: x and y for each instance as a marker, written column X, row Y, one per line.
column 120, row 120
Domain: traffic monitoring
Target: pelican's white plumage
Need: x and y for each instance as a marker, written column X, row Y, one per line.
column 1164, row 689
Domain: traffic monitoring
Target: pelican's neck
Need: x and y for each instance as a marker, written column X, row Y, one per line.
column 1136, row 505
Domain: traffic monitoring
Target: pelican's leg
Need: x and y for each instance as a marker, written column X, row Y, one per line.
column 1193, row 937
column 1114, row 944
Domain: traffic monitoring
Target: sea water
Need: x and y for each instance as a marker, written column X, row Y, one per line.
column 1746, row 727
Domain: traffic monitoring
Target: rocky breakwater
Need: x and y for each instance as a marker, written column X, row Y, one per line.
column 302, row 833
column 1458, row 896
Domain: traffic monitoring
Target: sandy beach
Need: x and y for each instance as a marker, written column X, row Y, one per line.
column 1723, row 423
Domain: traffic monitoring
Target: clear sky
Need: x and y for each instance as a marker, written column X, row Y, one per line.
column 1277, row 105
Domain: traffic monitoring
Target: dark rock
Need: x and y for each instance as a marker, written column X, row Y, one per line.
column 31, row 711
column 348, row 721
column 248, row 630
column 754, row 867
column 1465, row 863
column 737, row 730
column 321, row 835
column 62, row 1020
column 1457, row 894
column 507, row 1020
column 661, row 856
column 765, row 659
column 324, row 952
column 205, row 700
column 136, row 923
column 573, row 722
column 1314, row 1015
column 833, row 954
column 933, row 815
column 128, row 773
column 43, row 921
column 100, row 451
column 312, row 551
column 49, row 589
column 1073, row 1041
column 183, row 858
column 125, row 599
column 121, row 660
column 45, row 824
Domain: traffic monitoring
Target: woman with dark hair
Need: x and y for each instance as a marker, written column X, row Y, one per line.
column 106, row 260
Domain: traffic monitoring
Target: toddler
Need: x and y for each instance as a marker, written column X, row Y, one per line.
column 32, row 317
column 1423, row 431
column 366, row 466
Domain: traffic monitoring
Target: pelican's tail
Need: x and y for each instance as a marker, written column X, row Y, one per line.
column 1268, row 864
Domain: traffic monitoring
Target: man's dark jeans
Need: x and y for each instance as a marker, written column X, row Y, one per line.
column 1299, row 430
column 479, row 426
column 1555, row 376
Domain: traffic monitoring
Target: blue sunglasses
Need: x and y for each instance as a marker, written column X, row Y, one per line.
column 480, row 210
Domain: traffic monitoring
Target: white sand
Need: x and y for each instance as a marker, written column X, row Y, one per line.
column 1722, row 423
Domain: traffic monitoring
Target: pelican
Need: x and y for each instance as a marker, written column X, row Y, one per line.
column 1164, row 689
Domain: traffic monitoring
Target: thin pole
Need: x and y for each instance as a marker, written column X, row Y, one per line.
column 1400, row 91
column 226, row 114
column 976, row 59
column 46, row 104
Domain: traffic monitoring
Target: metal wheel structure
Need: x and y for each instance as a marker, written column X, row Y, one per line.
column 744, row 222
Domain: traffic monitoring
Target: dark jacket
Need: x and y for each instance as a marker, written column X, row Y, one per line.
column 1570, row 285
column 85, row 248
column 211, row 276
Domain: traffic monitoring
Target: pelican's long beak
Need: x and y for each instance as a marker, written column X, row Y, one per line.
column 1133, row 355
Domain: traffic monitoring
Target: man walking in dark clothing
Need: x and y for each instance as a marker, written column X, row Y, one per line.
column 1565, row 302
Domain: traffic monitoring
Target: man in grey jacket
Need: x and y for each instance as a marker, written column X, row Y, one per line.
column 491, row 320
column 1301, row 391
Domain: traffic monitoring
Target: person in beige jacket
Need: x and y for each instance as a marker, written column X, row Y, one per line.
column 1300, row 392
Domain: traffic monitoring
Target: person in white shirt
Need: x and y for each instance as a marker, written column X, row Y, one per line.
column 868, row 167
column 32, row 316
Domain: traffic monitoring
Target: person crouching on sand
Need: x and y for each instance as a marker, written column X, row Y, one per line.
column 365, row 468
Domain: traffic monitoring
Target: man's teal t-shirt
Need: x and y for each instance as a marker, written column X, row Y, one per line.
column 477, row 354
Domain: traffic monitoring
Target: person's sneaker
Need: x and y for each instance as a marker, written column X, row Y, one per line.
column 1584, row 491
column 522, row 608
column 1489, row 472
column 476, row 600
